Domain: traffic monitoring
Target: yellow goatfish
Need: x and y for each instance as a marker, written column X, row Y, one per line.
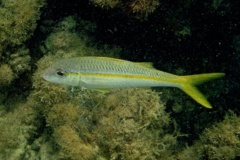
column 106, row 73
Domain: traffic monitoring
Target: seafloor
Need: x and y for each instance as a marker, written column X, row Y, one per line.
column 40, row 120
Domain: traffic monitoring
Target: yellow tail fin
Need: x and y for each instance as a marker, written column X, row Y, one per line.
column 187, row 85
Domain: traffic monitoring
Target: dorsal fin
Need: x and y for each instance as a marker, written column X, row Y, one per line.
column 146, row 64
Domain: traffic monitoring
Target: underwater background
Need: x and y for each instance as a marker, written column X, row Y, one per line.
column 41, row 120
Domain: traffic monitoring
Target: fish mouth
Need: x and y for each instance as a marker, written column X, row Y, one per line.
column 46, row 74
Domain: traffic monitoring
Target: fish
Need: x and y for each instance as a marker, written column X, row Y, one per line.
column 105, row 73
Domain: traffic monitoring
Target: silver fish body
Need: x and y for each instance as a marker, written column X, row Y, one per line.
column 106, row 73
column 102, row 72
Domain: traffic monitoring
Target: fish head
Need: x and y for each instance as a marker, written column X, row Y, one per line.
column 56, row 74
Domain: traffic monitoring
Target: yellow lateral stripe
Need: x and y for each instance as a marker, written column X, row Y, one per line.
column 122, row 76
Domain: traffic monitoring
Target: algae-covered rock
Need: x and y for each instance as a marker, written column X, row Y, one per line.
column 6, row 74
column 129, row 124
column 124, row 124
column 138, row 8
column 220, row 141
column 72, row 146
column 18, row 21
column 16, row 129
column 135, row 119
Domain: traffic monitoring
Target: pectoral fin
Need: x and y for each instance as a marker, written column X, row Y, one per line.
column 102, row 90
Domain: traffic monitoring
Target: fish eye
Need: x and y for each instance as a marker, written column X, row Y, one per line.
column 60, row 73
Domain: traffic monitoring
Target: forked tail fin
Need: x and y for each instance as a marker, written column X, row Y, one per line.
column 187, row 84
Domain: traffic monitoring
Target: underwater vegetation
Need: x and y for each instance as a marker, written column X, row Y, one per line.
column 137, row 8
column 41, row 120
column 18, row 20
column 221, row 141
